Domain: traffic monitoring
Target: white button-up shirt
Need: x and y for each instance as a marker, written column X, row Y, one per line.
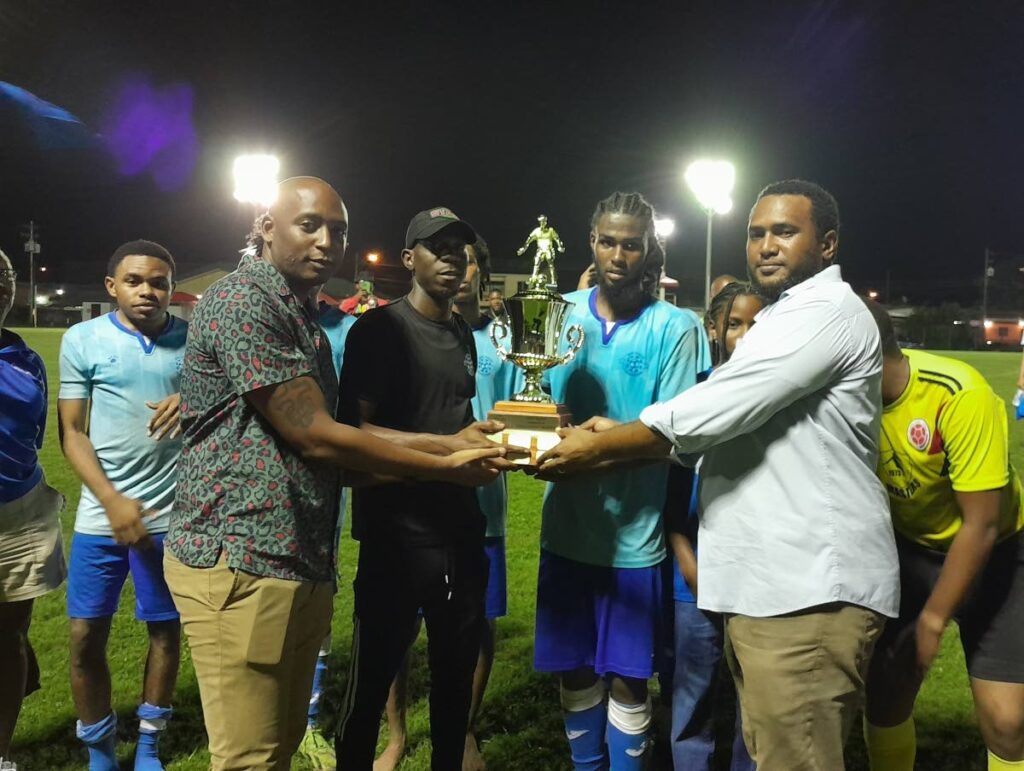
column 792, row 513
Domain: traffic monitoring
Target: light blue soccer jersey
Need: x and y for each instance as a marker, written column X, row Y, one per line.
column 496, row 381
column 615, row 519
column 336, row 326
column 119, row 371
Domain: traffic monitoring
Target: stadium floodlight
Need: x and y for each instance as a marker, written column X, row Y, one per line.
column 60, row 292
column 664, row 227
column 873, row 294
column 711, row 182
column 256, row 179
column 42, row 299
column 373, row 258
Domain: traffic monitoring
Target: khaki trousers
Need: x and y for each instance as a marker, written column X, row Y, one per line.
column 800, row 681
column 254, row 642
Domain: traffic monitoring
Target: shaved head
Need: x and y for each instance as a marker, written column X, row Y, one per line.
column 291, row 191
column 304, row 234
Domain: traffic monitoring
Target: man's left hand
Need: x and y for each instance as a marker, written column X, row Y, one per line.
column 928, row 634
column 577, row 452
column 165, row 420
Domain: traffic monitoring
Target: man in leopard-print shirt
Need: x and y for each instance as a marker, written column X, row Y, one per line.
column 249, row 556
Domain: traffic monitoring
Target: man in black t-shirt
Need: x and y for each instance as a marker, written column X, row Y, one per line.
column 409, row 367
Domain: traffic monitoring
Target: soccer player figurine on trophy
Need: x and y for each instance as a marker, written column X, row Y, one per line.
column 547, row 241
column 534, row 328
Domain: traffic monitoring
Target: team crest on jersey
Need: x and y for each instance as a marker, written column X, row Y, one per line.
column 485, row 365
column 918, row 434
column 634, row 363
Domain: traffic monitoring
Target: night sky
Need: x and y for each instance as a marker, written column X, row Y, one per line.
column 910, row 113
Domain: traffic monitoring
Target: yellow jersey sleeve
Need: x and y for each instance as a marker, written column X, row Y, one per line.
column 974, row 435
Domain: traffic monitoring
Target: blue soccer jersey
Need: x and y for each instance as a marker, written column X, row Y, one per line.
column 118, row 371
column 336, row 325
column 495, row 381
column 616, row 519
column 22, row 416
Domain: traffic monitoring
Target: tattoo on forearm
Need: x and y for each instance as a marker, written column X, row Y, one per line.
column 297, row 401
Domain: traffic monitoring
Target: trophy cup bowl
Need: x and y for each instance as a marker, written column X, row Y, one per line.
column 534, row 329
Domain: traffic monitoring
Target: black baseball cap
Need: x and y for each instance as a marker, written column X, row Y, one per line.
column 431, row 221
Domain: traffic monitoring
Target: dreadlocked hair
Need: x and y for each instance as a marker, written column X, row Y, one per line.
column 635, row 205
column 717, row 316
column 254, row 242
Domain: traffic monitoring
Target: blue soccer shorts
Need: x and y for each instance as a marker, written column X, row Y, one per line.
column 611, row 620
column 99, row 567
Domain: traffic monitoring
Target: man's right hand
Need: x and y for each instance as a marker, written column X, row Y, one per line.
column 126, row 520
column 474, row 468
column 474, row 436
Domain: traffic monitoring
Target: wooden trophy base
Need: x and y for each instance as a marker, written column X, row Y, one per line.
column 530, row 425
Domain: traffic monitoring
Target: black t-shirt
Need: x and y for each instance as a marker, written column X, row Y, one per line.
column 420, row 375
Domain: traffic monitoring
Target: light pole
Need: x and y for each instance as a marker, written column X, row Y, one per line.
column 711, row 182
column 32, row 248
column 372, row 258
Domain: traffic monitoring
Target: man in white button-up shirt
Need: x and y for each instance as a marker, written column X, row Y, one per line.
column 796, row 543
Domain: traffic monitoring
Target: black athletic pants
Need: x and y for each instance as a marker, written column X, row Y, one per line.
column 394, row 581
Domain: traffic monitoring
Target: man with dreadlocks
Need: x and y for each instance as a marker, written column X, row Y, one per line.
column 602, row 567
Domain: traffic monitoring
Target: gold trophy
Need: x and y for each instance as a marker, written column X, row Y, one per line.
column 533, row 325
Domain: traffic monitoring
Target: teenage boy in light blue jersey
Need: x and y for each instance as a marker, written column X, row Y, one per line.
column 603, row 568
column 118, row 408
column 496, row 380
column 316, row 748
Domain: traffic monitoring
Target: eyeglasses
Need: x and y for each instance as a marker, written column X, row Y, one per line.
column 8, row 274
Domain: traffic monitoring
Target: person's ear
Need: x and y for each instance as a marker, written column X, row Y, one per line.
column 109, row 283
column 267, row 228
column 830, row 246
column 407, row 259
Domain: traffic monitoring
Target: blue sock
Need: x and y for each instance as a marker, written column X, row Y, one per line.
column 318, row 689
column 627, row 735
column 585, row 716
column 101, row 741
column 152, row 722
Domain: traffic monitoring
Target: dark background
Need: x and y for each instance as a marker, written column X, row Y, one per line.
column 910, row 113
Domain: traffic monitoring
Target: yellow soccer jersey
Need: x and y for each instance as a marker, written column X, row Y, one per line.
column 946, row 433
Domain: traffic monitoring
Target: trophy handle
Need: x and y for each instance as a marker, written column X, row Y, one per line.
column 574, row 335
column 496, row 327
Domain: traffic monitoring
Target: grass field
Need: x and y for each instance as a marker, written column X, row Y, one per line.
column 520, row 725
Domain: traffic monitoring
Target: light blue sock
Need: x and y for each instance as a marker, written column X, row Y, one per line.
column 627, row 735
column 319, row 674
column 101, row 741
column 152, row 722
column 585, row 716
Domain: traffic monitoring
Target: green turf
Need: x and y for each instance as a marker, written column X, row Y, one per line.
column 520, row 725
